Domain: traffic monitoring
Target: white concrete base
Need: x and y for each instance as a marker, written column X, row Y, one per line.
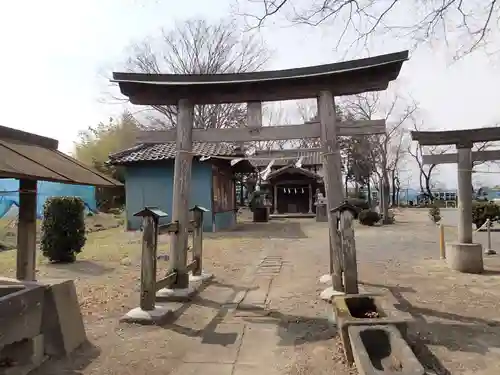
column 177, row 294
column 329, row 293
column 331, row 316
column 326, row 279
column 465, row 257
column 156, row 316
column 205, row 276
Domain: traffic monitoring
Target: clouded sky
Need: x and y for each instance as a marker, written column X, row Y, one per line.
column 54, row 53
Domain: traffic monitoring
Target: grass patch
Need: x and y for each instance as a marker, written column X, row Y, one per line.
column 93, row 223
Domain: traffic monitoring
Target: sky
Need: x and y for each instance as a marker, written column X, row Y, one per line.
column 56, row 55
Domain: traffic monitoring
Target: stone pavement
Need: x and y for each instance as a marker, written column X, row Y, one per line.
column 271, row 323
column 260, row 315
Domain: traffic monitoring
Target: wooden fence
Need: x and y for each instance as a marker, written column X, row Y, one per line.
column 151, row 229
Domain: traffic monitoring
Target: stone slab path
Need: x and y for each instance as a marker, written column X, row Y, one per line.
column 260, row 315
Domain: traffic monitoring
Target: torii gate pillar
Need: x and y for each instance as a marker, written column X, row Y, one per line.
column 464, row 177
column 464, row 255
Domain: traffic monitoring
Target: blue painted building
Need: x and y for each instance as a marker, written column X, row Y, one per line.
column 149, row 177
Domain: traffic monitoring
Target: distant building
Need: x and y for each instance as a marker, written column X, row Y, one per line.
column 149, row 178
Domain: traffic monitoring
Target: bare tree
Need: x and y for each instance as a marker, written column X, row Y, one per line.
column 198, row 47
column 386, row 151
column 273, row 115
column 425, row 171
column 307, row 111
column 416, row 151
column 469, row 23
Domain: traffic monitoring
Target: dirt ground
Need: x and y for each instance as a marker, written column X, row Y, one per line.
column 277, row 266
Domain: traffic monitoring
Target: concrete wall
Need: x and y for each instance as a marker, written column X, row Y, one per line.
column 224, row 220
column 152, row 184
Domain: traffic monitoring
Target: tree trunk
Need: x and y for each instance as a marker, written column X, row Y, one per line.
column 369, row 190
column 346, row 179
column 393, row 177
column 386, row 190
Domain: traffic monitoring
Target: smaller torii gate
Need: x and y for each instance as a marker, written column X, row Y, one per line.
column 463, row 255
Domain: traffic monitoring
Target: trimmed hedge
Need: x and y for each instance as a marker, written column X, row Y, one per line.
column 63, row 229
column 481, row 211
column 368, row 217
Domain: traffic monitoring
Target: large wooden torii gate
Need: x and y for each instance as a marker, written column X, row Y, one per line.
column 463, row 255
column 322, row 82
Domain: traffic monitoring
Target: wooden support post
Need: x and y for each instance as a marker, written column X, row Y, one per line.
column 26, row 231
column 464, row 193
column 254, row 114
column 150, row 219
column 442, row 242
column 310, row 199
column 333, row 181
column 148, row 264
column 275, row 199
column 349, row 252
column 182, row 187
column 198, row 212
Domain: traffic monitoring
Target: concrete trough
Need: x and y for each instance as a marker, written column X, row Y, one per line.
column 362, row 310
column 20, row 312
column 381, row 350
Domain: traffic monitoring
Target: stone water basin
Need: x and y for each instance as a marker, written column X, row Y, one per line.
column 382, row 350
column 362, row 310
column 20, row 311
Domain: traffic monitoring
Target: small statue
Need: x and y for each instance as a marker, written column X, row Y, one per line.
column 320, row 198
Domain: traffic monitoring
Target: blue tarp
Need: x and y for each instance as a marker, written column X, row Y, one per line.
column 9, row 195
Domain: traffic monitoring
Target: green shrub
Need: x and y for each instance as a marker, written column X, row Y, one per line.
column 368, row 217
column 63, row 229
column 482, row 211
column 360, row 205
column 435, row 214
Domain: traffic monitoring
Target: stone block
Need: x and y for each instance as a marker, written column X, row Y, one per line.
column 21, row 308
column 381, row 350
column 362, row 309
column 465, row 257
column 62, row 322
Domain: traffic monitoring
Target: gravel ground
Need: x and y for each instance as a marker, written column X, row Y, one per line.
column 456, row 328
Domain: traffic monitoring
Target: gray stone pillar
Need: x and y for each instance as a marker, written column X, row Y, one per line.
column 464, row 194
column 275, row 199
column 465, row 256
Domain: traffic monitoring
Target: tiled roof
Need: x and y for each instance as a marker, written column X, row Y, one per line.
column 311, row 156
column 165, row 151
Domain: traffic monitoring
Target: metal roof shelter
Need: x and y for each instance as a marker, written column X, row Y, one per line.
column 344, row 78
column 29, row 158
